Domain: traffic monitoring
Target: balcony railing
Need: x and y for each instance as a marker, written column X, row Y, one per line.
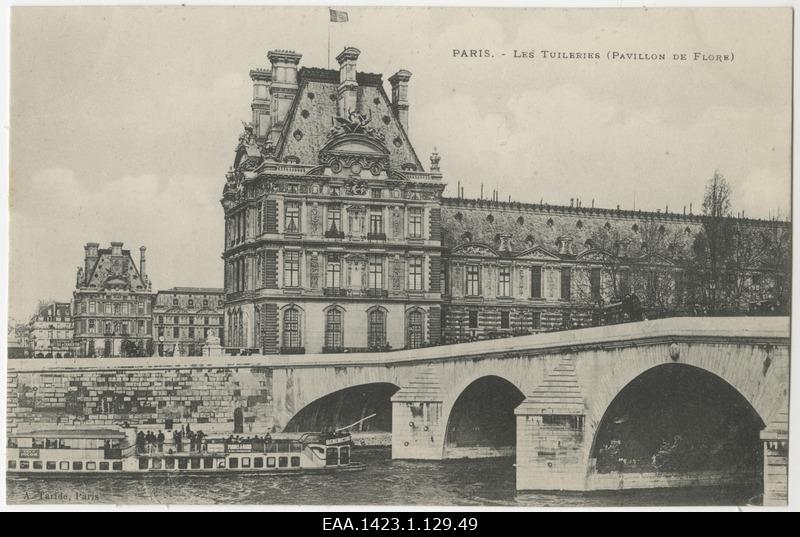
column 331, row 234
column 376, row 236
column 334, row 291
column 292, row 350
column 377, row 293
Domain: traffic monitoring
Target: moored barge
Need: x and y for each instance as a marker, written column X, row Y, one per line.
column 102, row 452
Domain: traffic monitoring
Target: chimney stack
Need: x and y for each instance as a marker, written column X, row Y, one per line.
column 348, row 85
column 142, row 266
column 283, row 85
column 564, row 245
column 90, row 258
column 116, row 248
column 262, row 79
column 399, row 82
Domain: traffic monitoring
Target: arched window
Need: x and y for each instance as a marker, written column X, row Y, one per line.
column 416, row 329
column 376, row 321
column 291, row 329
column 333, row 329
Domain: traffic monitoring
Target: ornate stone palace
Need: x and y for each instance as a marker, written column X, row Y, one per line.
column 112, row 303
column 338, row 239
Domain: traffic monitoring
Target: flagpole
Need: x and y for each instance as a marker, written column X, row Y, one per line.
column 329, row 45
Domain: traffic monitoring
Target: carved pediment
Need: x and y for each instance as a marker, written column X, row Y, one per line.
column 476, row 249
column 538, row 253
column 354, row 152
column 600, row 256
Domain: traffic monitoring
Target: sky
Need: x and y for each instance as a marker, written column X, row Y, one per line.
column 125, row 120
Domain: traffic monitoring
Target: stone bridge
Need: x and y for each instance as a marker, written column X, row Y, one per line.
column 559, row 401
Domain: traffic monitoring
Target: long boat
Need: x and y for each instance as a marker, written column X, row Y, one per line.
column 99, row 452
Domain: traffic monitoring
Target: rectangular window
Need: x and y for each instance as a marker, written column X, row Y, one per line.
column 77, row 465
column 51, row 465
column 504, row 282
column 283, row 462
column 92, row 307
column 125, row 308
column 415, row 223
column 233, row 462
column 473, row 318
column 594, row 282
column 566, row 320
column 103, row 466
column 258, row 462
column 90, row 465
column 334, row 224
column 83, row 307
column 536, row 282
column 270, row 462
column 108, row 308
column 91, row 325
column 141, row 308
column 566, row 283
column 376, row 272
column 333, row 272
column 191, row 332
column 415, row 273
column 295, row 462
column 245, row 462
column 376, row 222
column 37, row 465
column 505, row 320
column 291, row 268
column 473, row 280
column 291, row 221
column 376, row 193
column 536, row 320
column 176, row 332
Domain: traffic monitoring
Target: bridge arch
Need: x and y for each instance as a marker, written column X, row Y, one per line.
column 346, row 406
column 480, row 419
column 677, row 417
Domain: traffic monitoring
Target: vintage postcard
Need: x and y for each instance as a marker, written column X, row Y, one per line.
column 385, row 256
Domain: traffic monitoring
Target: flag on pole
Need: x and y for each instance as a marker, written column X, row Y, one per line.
column 338, row 16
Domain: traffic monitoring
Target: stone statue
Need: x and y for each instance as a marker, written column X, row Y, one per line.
column 79, row 277
column 212, row 338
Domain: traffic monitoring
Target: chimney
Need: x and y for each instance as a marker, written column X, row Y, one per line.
column 142, row 266
column 348, row 85
column 564, row 245
column 435, row 159
column 283, row 85
column 261, row 97
column 399, row 82
column 90, row 258
column 505, row 243
column 116, row 248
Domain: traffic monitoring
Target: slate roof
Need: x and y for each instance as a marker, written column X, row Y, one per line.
column 310, row 118
column 114, row 270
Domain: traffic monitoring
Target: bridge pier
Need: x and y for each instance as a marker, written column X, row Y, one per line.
column 417, row 430
column 551, row 454
column 776, row 461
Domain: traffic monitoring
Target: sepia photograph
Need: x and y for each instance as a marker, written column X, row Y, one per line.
column 398, row 257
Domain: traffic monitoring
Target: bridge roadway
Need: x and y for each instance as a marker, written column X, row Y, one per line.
column 565, row 383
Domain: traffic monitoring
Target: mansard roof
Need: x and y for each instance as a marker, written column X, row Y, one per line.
column 114, row 272
column 314, row 109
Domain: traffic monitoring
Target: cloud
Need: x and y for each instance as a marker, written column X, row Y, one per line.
column 53, row 215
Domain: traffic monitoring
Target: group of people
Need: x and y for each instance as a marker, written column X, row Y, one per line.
column 256, row 441
column 197, row 440
column 154, row 443
column 148, row 443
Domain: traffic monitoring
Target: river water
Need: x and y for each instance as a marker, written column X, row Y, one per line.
column 487, row 482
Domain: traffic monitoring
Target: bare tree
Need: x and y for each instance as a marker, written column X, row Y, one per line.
column 716, row 230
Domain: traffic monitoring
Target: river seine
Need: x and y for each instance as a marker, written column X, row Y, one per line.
column 487, row 482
